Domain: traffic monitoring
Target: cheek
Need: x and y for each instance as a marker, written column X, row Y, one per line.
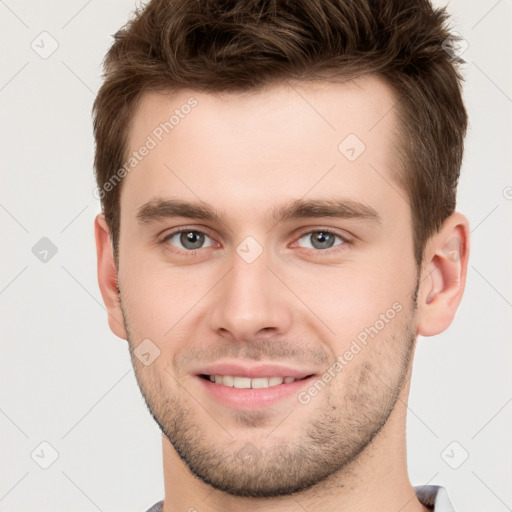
column 157, row 297
column 353, row 298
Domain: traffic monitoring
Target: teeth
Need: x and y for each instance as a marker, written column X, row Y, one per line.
column 260, row 382
column 227, row 380
column 238, row 382
column 246, row 382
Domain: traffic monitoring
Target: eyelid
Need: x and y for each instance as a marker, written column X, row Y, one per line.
column 172, row 231
column 345, row 236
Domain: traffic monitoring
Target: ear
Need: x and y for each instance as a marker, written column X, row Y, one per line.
column 443, row 276
column 108, row 276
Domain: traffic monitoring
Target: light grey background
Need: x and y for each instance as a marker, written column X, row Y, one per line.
column 67, row 380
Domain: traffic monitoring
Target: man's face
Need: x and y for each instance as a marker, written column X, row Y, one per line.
column 250, row 293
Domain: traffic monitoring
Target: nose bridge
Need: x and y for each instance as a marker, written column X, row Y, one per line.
column 248, row 299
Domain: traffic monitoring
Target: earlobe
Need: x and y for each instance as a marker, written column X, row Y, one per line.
column 108, row 276
column 444, row 275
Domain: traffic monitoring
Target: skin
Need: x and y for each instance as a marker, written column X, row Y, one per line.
column 296, row 303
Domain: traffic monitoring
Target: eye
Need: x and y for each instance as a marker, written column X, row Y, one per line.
column 188, row 239
column 321, row 239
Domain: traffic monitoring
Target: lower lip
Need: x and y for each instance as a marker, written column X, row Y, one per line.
column 249, row 399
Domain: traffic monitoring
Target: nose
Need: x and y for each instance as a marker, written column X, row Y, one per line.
column 250, row 302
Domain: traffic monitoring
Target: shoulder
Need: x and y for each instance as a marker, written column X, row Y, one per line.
column 434, row 497
column 157, row 507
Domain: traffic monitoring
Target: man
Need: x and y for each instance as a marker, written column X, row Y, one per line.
column 278, row 190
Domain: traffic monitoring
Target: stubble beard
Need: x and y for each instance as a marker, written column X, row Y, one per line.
column 325, row 444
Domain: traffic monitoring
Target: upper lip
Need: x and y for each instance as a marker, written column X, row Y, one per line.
column 253, row 370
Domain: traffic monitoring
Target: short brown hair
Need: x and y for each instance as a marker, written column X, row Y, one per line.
column 241, row 45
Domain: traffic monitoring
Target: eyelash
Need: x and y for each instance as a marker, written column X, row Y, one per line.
column 346, row 242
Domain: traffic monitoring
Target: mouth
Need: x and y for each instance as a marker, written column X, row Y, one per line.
column 246, row 386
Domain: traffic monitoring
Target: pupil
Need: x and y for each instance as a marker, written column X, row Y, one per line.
column 322, row 240
column 192, row 239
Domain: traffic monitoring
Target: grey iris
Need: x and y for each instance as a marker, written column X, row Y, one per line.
column 322, row 240
column 192, row 239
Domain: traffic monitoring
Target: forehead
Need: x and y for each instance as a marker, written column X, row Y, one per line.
column 261, row 147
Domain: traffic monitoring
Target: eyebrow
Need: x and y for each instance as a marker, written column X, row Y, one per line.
column 337, row 208
column 158, row 209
